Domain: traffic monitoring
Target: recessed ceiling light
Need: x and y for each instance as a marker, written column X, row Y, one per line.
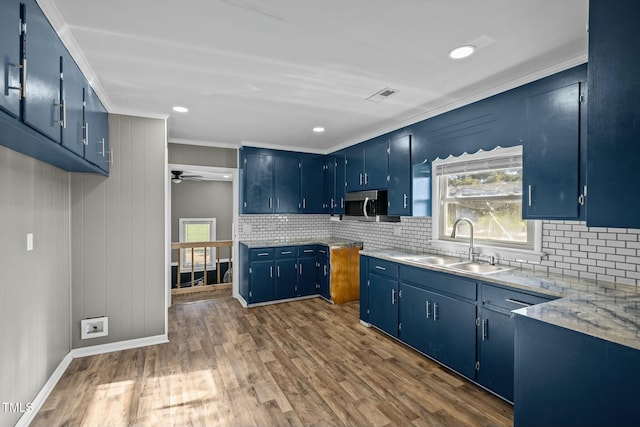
column 318, row 129
column 462, row 52
column 179, row 109
column 226, row 176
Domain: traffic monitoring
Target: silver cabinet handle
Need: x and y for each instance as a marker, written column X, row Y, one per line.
column 393, row 296
column 513, row 301
column 277, row 202
column 366, row 178
column 86, row 134
column 270, row 271
column 325, row 270
column 428, row 311
column 110, row 157
column 360, row 179
column 102, row 142
column 269, row 202
column 364, row 207
column 24, row 79
column 342, row 202
column 379, row 267
column 435, row 311
column 306, row 251
column 285, row 252
column 529, row 194
column 406, row 201
column 263, row 254
column 304, row 203
column 278, row 271
column 301, row 269
column 63, row 114
column 484, row 329
column 332, row 205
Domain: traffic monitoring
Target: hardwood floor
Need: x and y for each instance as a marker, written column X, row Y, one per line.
column 303, row 363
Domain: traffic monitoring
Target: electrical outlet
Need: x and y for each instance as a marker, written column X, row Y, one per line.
column 94, row 327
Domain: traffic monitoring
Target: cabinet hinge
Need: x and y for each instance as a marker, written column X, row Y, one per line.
column 250, row 294
column 399, row 326
column 477, row 365
column 250, row 270
column 245, row 160
column 368, row 283
column 245, row 204
column 388, row 178
column 299, row 165
column 400, row 293
column 581, row 99
column 388, row 150
column 367, row 311
column 22, row 27
column 477, row 321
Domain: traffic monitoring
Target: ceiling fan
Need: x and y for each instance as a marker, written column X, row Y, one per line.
column 178, row 176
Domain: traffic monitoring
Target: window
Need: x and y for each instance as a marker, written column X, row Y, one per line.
column 197, row 230
column 486, row 188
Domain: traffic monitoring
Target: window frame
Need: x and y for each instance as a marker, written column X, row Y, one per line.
column 211, row 252
column 439, row 240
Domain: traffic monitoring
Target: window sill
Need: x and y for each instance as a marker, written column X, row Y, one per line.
column 510, row 254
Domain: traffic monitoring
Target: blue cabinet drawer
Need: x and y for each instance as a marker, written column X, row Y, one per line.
column 439, row 282
column 323, row 251
column 307, row 251
column 286, row 252
column 261, row 254
column 509, row 299
column 383, row 267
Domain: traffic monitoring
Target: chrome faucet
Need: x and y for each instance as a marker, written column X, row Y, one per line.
column 453, row 234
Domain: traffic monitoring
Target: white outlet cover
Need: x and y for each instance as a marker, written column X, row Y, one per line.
column 29, row 241
column 94, row 327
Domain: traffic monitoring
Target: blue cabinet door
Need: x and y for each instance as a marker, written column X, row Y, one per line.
column 551, row 155
column 243, row 267
column 383, row 303
column 364, row 288
column 328, row 202
column 399, row 195
column 261, row 286
column 495, row 352
column 340, row 183
column 324, row 274
column 73, row 87
column 354, row 168
column 287, row 184
column 96, row 130
column 42, row 110
column 376, row 164
column 312, row 184
column 454, row 339
column 415, row 317
column 258, row 185
column 286, row 278
column 307, row 278
column 11, row 56
column 614, row 116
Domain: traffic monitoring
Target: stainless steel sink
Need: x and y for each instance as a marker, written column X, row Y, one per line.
column 435, row 260
column 478, row 267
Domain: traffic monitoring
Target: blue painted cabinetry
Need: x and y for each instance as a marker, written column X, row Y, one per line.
column 565, row 378
column 383, row 287
column 258, row 183
column 323, row 272
column 10, row 40
column 286, row 185
column 399, row 195
column 312, row 194
column 614, row 115
column 334, row 184
column 286, row 273
column 307, row 271
column 43, row 99
column 367, row 165
column 96, row 131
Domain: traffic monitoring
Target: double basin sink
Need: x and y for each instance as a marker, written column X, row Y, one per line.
column 456, row 264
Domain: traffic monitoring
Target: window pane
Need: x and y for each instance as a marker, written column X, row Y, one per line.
column 493, row 220
column 503, row 182
column 197, row 232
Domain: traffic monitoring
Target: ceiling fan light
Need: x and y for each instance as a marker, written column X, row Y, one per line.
column 176, row 180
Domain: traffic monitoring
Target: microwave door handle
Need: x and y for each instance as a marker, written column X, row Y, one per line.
column 364, row 207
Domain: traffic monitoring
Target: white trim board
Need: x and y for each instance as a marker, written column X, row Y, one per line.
column 48, row 387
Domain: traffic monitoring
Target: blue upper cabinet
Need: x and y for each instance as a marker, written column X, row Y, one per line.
column 96, row 131
column 287, row 184
column 367, row 165
column 42, row 107
column 399, row 195
column 334, row 184
column 551, row 155
column 614, row 116
column 10, row 36
column 313, row 172
column 258, row 183
column 73, row 87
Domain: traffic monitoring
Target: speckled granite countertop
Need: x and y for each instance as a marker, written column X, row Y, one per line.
column 601, row 309
column 296, row 242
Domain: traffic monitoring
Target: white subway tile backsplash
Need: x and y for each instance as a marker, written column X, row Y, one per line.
column 572, row 248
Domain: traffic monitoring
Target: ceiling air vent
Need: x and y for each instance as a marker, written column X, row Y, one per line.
column 381, row 95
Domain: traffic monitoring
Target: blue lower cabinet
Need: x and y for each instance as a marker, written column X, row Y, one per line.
column 415, row 317
column 324, row 281
column 383, row 303
column 566, row 378
column 285, row 283
column 495, row 352
column 261, row 281
column 307, row 278
column 364, row 288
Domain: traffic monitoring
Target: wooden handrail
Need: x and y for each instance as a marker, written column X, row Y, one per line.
column 192, row 245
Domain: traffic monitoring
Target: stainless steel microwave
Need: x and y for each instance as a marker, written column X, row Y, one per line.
column 367, row 206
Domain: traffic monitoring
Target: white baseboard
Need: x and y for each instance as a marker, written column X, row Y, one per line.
column 242, row 300
column 41, row 397
column 119, row 346
column 43, row 394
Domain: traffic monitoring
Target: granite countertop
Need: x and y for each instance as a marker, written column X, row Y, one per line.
column 297, row 242
column 601, row 309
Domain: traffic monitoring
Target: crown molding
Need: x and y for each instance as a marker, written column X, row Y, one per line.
column 285, row 147
column 212, row 144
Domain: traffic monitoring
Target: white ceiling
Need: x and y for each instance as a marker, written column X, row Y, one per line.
column 265, row 72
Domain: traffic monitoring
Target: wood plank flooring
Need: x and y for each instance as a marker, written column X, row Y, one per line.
column 305, row 363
